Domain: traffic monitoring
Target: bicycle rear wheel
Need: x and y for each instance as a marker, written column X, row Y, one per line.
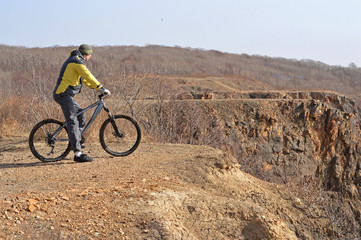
column 121, row 137
column 45, row 144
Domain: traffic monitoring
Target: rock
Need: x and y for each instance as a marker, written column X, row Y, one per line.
column 83, row 193
column 66, row 198
column 32, row 208
column 33, row 201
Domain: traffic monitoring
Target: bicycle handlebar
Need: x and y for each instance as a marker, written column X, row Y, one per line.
column 103, row 95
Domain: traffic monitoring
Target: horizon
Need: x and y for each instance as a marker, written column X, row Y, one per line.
column 190, row 48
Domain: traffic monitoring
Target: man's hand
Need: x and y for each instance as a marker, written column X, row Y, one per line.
column 104, row 91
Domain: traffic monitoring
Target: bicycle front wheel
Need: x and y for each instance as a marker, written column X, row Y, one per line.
column 49, row 141
column 120, row 137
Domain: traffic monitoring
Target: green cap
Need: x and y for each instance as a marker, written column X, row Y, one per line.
column 85, row 49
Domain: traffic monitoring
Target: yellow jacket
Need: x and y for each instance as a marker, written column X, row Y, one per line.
column 73, row 74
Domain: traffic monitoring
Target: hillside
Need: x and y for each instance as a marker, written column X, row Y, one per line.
column 234, row 147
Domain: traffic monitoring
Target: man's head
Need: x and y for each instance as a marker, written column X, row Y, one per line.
column 85, row 49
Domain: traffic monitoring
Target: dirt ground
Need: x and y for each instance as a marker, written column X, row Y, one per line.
column 161, row 191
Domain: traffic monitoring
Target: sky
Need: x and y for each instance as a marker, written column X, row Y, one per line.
column 328, row 31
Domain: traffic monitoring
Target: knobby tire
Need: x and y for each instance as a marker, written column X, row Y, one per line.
column 122, row 145
column 41, row 145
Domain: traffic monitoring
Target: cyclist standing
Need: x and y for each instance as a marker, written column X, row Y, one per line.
column 71, row 78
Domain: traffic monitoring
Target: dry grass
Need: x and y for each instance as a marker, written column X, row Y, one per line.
column 14, row 114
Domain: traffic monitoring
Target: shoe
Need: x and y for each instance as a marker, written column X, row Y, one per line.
column 83, row 158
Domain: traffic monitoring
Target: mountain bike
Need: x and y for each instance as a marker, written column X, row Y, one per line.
column 119, row 135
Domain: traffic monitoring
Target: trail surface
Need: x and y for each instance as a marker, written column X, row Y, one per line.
column 161, row 191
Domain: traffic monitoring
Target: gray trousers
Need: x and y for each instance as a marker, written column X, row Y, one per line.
column 70, row 110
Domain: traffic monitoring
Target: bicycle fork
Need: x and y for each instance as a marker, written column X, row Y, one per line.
column 112, row 120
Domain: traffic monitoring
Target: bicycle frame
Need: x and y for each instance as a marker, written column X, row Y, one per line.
column 99, row 105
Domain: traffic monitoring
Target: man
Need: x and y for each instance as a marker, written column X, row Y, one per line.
column 71, row 78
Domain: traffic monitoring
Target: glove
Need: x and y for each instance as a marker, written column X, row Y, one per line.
column 104, row 91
